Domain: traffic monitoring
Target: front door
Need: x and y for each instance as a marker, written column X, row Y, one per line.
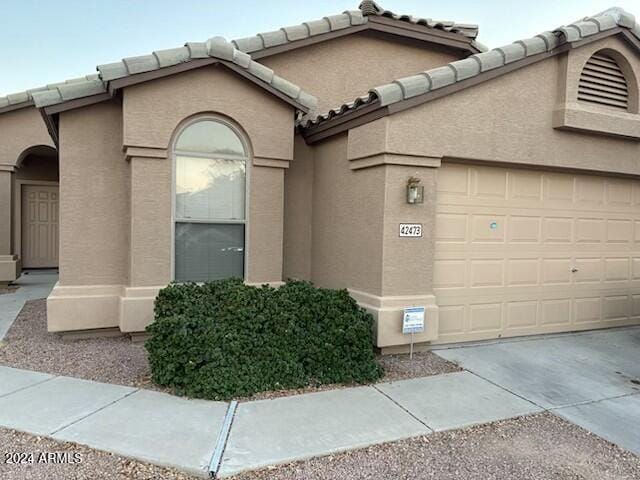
column 39, row 226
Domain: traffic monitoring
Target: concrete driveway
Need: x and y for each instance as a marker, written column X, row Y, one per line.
column 591, row 379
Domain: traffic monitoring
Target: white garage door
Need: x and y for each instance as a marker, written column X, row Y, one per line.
column 522, row 252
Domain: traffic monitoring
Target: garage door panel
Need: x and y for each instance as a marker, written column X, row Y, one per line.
column 485, row 317
column 590, row 190
column 619, row 193
column 557, row 230
column 522, row 271
column 524, row 185
column 487, row 273
column 522, row 314
column 556, row 271
column 616, row 269
column 451, row 227
column 524, row 229
column 487, row 228
column 489, row 183
column 521, row 252
column 590, row 230
column 587, row 310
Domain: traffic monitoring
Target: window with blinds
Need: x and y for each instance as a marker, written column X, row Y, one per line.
column 603, row 83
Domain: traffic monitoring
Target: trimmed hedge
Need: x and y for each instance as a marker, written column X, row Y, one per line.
column 225, row 339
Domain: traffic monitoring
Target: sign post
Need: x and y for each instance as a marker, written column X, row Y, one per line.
column 413, row 322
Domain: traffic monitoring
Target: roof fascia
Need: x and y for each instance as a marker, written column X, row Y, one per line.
column 17, row 106
column 419, row 32
column 378, row 24
column 316, row 133
column 52, row 127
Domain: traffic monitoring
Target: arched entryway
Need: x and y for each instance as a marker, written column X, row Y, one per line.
column 36, row 203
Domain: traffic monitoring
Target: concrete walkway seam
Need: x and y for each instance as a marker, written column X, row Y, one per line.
column 223, row 437
column 93, row 413
column 589, row 402
column 507, row 390
column 431, row 430
column 28, row 386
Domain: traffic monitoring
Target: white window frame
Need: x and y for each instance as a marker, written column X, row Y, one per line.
column 247, row 158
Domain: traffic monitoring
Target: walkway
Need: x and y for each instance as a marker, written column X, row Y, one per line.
column 32, row 285
column 181, row 433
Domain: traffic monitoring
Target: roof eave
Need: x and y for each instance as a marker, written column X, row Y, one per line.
column 17, row 106
column 360, row 116
column 382, row 25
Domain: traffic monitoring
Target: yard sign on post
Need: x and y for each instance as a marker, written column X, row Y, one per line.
column 413, row 322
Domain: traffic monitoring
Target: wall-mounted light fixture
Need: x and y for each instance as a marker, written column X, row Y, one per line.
column 415, row 191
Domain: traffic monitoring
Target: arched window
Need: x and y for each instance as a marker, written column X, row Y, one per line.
column 210, row 205
column 602, row 82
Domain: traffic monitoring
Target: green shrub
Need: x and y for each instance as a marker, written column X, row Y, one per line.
column 225, row 339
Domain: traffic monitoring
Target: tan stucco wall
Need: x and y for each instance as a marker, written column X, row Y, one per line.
column 20, row 130
column 152, row 111
column 407, row 263
column 298, row 210
column 117, row 251
column 94, row 200
column 348, row 212
column 5, row 212
column 342, row 69
column 509, row 119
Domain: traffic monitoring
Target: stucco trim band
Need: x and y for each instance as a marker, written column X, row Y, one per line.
column 394, row 159
column 388, row 312
column 5, row 167
column 145, row 152
column 578, row 118
column 270, row 162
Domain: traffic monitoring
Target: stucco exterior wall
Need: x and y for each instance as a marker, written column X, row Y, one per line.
column 298, row 211
column 94, row 200
column 510, row 120
column 342, row 69
column 152, row 111
column 348, row 213
column 20, row 130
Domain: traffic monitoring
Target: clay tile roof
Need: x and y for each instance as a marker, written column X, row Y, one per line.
column 344, row 20
column 70, row 88
column 216, row 47
column 369, row 8
column 431, row 80
column 232, row 52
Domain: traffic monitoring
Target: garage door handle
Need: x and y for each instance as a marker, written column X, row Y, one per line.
column 574, row 270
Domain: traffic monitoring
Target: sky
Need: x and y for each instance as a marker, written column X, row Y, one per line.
column 49, row 41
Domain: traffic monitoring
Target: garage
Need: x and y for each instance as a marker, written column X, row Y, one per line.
column 521, row 252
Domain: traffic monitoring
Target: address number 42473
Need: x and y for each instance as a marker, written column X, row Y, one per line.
column 410, row 229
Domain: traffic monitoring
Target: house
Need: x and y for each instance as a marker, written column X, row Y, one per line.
column 389, row 155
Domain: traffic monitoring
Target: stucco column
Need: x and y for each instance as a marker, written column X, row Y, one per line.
column 9, row 263
column 265, row 229
column 149, row 235
column 406, row 273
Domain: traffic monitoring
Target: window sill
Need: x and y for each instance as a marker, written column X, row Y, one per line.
column 576, row 117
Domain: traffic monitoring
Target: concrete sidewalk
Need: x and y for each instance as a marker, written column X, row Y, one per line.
column 181, row 433
column 31, row 285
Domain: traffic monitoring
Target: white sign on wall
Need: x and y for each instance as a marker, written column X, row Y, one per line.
column 411, row 230
column 413, row 320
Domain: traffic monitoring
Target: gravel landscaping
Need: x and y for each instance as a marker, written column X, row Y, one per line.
column 28, row 345
column 73, row 462
column 118, row 360
column 541, row 447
